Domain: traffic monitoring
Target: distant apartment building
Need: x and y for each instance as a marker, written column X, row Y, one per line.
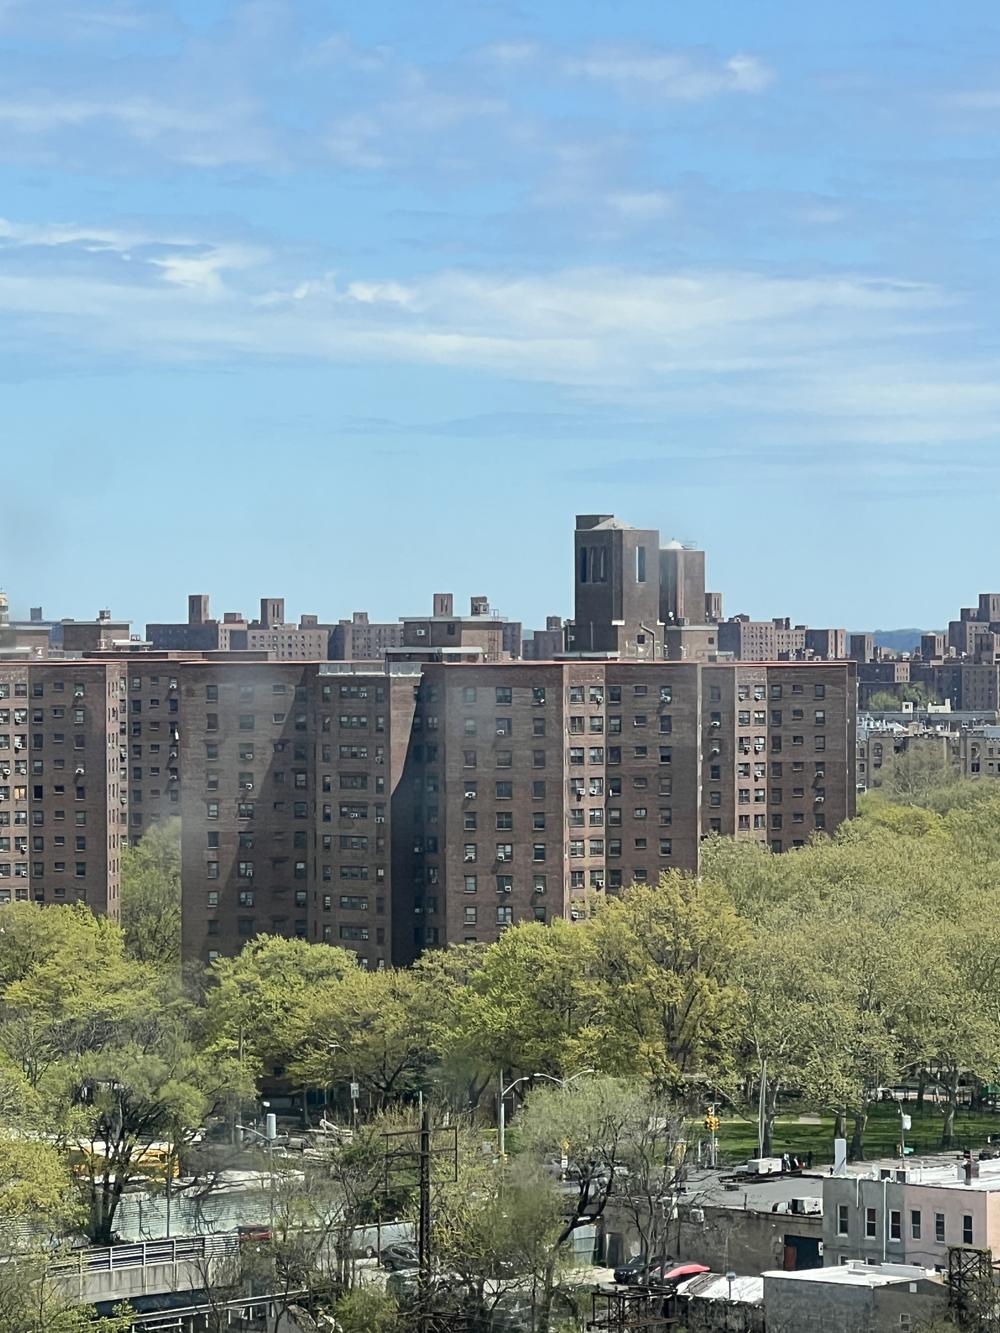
column 305, row 642
column 362, row 640
column 63, row 782
column 483, row 632
column 200, row 632
column 545, row 644
column 83, row 636
column 779, row 640
column 883, row 745
column 861, row 647
column 634, row 600
column 308, row 641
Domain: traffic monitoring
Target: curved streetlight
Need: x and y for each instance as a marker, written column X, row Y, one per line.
column 526, row 1078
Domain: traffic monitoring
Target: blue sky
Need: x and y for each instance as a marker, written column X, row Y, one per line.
column 355, row 302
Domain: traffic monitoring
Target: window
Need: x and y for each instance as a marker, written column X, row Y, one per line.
column 504, row 791
column 470, row 884
column 538, row 694
column 470, row 916
column 538, row 851
column 505, row 820
column 505, row 916
column 966, row 1228
column 871, row 1223
column 666, row 847
column 469, row 853
column 819, row 692
column 915, row 1223
column 842, row 1219
column 505, row 883
column 469, row 694
column 504, row 694
column 505, row 851
column 939, row 1228
column 895, row 1224
column 538, row 883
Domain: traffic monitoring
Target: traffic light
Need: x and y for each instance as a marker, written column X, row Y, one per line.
column 712, row 1122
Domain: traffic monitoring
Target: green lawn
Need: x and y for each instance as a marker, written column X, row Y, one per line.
column 738, row 1138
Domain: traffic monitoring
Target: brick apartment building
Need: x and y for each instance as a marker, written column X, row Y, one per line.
column 363, row 640
column 63, row 782
column 437, row 796
column 424, row 803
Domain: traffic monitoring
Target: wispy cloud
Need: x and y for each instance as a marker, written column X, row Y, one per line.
column 677, row 75
column 763, row 347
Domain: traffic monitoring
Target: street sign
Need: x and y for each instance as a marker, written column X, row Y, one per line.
column 355, row 1091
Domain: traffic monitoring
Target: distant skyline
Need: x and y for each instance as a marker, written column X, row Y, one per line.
column 351, row 304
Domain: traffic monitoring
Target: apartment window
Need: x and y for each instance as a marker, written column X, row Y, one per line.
column 505, row 916
column 915, row 1223
column 538, row 883
column 576, row 694
column 538, row 694
column 538, row 819
column 966, row 1228
column 538, row 851
column 504, row 726
column 470, row 884
column 504, row 694
column 246, row 722
column 819, row 692
column 895, row 1224
column 505, row 883
column 842, row 1219
column 470, row 916
column 505, row 820
column 505, row 851
column 666, row 754
column 504, row 791
column 469, row 821
column 820, row 717
column 505, row 758
column 211, row 809
column 538, row 759
column 666, row 847
column 469, row 694
column 871, row 1223
column 939, row 1228
column 470, row 726
column 468, row 758
column 538, row 726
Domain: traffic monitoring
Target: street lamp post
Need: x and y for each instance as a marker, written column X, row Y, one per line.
column 268, row 1137
column 502, row 1115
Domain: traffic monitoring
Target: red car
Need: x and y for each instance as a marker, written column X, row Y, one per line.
column 664, row 1276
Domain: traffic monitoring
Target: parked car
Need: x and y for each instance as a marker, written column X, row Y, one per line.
column 627, row 1275
column 401, row 1254
column 250, row 1232
column 668, row 1274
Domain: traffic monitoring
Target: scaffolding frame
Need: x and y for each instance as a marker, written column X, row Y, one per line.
column 632, row 1310
column 972, row 1292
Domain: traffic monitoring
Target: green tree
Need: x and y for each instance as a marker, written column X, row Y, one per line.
column 151, row 896
column 31, row 1302
column 660, row 961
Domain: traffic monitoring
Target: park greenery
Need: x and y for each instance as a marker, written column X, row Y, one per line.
column 823, row 976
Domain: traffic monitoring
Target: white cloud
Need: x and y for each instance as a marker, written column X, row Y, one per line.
column 847, row 355
column 973, row 99
column 670, row 74
column 641, row 206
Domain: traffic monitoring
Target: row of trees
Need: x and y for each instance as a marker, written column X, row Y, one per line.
column 845, row 966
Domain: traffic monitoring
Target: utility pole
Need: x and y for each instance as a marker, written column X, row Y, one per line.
column 424, row 1224
column 761, row 1108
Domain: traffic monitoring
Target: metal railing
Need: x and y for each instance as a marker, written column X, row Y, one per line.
column 112, row 1258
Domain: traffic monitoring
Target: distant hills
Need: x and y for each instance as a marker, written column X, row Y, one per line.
column 898, row 640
